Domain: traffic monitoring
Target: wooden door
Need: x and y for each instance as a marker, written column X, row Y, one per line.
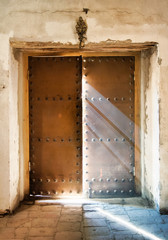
column 55, row 125
column 108, row 83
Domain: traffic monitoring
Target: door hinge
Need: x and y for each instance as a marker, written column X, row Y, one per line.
column 133, row 171
column 29, row 166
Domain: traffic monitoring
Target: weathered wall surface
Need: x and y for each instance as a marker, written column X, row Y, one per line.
column 150, row 125
column 163, row 138
column 55, row 20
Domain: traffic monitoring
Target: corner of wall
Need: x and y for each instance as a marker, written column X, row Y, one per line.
column 150, row 126
column 4, row 125
column 13, row 131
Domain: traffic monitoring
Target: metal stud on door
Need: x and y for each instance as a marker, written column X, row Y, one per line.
column 55, row 125
column 108, row 83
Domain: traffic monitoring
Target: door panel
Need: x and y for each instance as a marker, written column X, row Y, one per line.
column 55, row 125
column 108, row 83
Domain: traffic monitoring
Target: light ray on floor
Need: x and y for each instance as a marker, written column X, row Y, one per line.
column 127, row 224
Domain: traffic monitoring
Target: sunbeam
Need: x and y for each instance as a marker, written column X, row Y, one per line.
column 127, row 224
column 111, row 112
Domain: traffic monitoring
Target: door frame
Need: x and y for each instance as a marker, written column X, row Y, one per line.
column 24, row 108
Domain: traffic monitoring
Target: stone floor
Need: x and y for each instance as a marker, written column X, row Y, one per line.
column 83, row 219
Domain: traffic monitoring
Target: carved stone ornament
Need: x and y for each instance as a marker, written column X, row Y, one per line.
column 81, row 28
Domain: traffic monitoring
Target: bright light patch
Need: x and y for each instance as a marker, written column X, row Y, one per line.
column 128, row 225
column 65, row 201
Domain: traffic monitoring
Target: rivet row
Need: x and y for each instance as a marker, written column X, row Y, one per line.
column 107, row 140
column 53, row 192
column 55, row 98
column 60, row 140
column 109, row 180
column 108, row 59
column 48, row 180
column 55, row 59
column 122, row 99
column 108, row 191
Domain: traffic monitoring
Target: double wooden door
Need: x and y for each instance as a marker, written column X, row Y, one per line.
column 81, row 112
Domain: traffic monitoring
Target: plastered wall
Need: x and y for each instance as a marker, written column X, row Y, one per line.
column 55, row 20
column 150, row 164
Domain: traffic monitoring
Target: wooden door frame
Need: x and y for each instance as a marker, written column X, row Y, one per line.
column 24, row 97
